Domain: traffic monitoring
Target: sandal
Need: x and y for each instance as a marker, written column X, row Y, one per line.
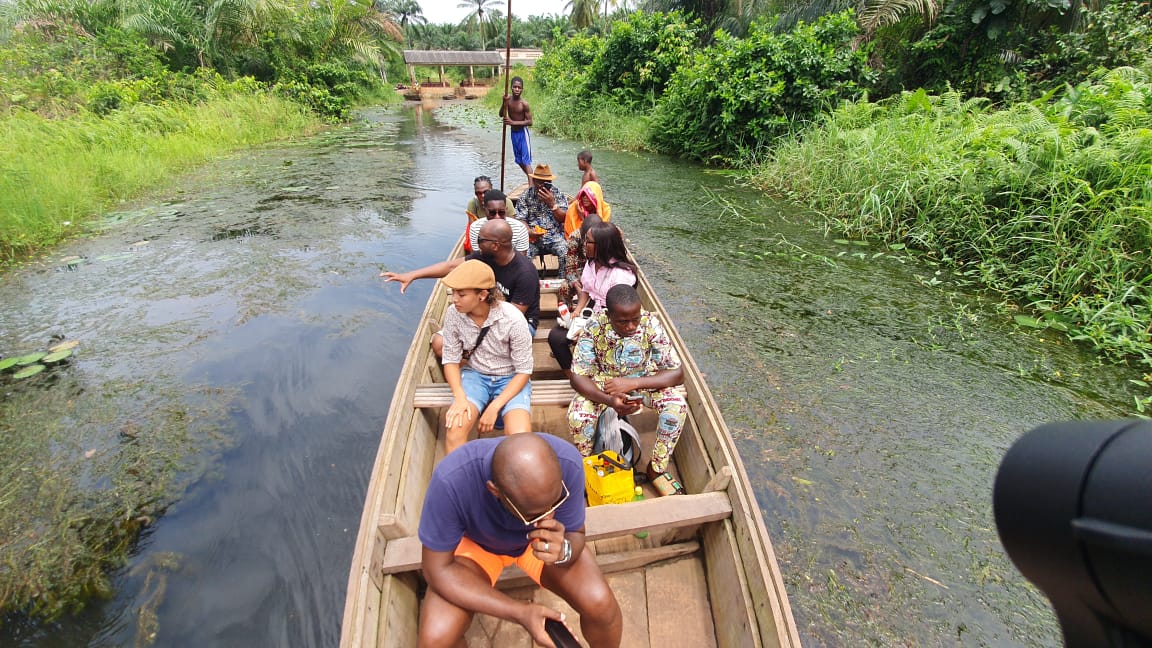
column 665, row 483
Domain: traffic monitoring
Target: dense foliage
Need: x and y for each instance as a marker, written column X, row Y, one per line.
column 602, row 89
column 1049, row 202
column 1010, row 51
column 742, row 93
column 632, row 64
column 1016, row 155
column 639, row 56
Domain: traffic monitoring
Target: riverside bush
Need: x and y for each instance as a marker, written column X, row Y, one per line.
column 562, row 68
column 741, row 94
column 1049, row 202
column 640, row 54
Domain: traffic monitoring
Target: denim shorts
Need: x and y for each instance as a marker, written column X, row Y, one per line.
column 481, row 389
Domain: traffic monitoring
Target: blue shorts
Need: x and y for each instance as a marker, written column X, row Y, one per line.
column 481, row 389
column 522, row 147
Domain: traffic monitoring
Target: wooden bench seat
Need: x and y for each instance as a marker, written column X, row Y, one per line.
column 544, row 392
column 608, row 521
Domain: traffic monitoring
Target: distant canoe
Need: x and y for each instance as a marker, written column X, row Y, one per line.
column 704, row 575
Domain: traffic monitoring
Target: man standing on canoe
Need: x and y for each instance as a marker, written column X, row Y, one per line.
column 518, row 116
column 516, row 275
column 495, row 502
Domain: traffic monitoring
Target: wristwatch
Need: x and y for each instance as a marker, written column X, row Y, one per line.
column 565, row 553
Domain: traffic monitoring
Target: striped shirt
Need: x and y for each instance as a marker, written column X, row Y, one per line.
column 505, row 350
column 519, row 234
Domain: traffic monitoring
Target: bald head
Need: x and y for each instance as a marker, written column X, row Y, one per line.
column 526, row 470
column 497, row 230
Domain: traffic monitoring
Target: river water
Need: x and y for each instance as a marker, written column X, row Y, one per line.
column 871, row 395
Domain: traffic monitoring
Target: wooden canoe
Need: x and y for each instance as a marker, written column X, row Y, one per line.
column 704, row 575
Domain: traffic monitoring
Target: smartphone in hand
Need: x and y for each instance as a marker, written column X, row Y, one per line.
column 560, row 635
column 633, row 397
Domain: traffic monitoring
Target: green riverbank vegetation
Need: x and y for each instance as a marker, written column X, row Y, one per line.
column 1047, row 202
column 59, row 172
column 1011, row 143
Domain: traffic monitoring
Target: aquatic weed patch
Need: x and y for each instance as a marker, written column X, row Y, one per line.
column 81, row 477
column 1049, row 202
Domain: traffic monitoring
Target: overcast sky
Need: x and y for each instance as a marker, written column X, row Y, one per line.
column 448, row 11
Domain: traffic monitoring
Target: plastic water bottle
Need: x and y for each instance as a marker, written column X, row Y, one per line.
column 638, row 497
column 578, row 323
column 564, row 314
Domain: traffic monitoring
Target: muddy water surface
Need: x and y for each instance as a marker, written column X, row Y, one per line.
column 870, row 395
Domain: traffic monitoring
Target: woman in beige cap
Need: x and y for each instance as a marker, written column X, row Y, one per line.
column 487, row 357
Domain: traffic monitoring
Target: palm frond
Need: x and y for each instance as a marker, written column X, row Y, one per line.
column 880, row 13
column 810, row 12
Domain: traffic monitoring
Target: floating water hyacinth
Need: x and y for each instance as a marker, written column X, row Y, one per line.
column 29, row 371
column 32, row 364
column 59, row 356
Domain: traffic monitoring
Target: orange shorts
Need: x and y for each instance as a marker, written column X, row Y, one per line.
column 493, row 564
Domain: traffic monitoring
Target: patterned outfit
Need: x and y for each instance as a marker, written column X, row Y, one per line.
column 537, row 214
column 574, row 261
column 506, row 349
column 602, row 354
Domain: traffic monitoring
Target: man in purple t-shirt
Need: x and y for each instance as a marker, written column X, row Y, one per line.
column 495, row 502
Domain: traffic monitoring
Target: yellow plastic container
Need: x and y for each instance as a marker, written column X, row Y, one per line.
column 605, row 482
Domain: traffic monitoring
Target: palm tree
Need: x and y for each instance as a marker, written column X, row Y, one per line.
column 208, row 30
column 583, row 13
column 352, row 29
column 482, row 18
column 407, row 14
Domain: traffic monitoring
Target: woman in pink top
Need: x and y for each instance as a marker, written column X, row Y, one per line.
column 607, row 266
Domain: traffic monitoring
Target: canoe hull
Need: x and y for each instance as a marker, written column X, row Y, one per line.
column 724, row 571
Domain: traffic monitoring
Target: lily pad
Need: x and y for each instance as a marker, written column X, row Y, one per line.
column 841, row 241
column 1030, row 322
column 897, row 246
column 8, row 363
column 63, row 346
column 28, row 372
column 53, row 358
column 30, row 358
column 861, row 243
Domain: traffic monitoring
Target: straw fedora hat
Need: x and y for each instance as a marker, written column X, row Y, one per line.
column 542, row 172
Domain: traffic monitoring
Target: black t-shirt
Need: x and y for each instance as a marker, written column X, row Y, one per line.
column 519, row 282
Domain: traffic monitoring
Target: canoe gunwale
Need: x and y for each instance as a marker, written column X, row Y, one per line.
column 753, row 546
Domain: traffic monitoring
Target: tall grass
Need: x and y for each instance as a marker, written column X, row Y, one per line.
column 596, row 121
column 1049, row 202
column 55, row 174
